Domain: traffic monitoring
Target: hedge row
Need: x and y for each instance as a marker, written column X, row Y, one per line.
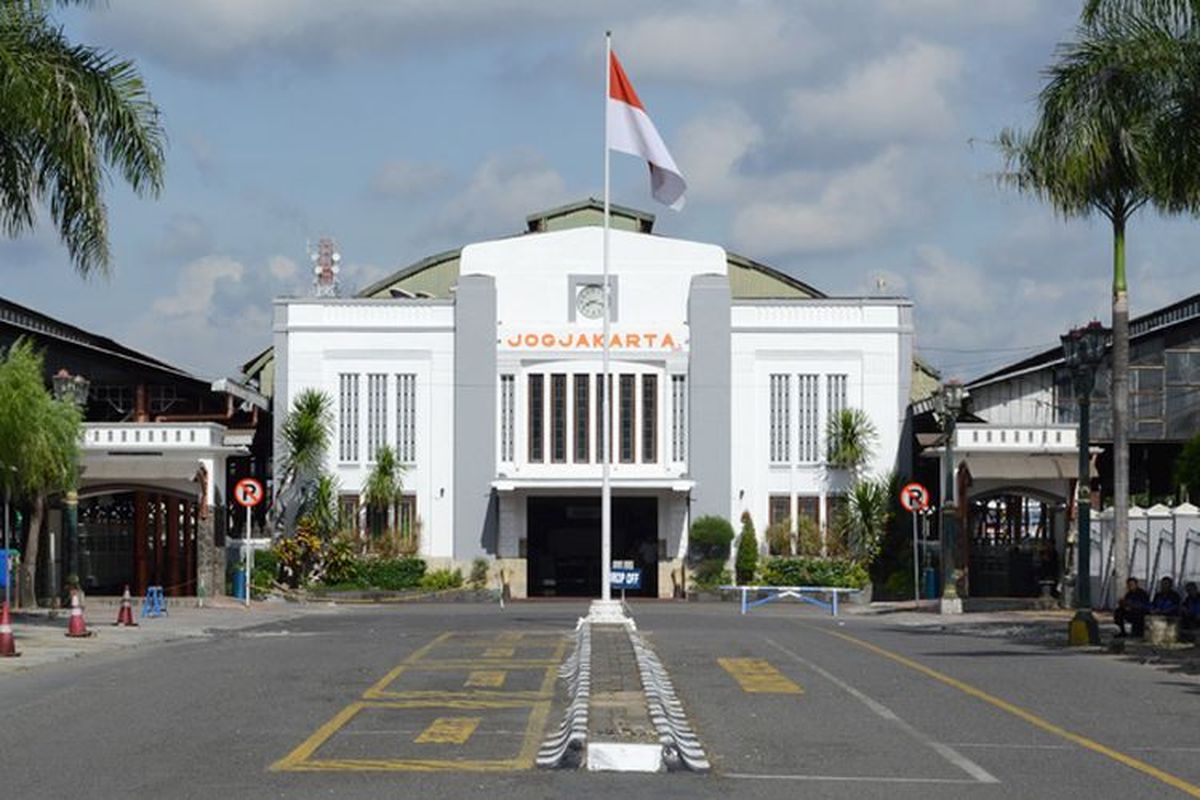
column 801, row 571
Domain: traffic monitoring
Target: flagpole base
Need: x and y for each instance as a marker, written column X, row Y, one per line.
column 608, row 612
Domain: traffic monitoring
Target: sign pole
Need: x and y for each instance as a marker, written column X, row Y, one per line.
column 916, row 564
column 246, row 545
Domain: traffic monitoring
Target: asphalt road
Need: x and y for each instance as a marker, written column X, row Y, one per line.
column 452, row 700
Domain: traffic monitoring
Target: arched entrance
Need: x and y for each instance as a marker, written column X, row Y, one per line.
column 1016, row 541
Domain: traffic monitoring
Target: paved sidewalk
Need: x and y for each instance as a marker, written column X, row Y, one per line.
column 41, row 634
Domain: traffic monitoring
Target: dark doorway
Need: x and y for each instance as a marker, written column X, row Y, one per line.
column 563, row 544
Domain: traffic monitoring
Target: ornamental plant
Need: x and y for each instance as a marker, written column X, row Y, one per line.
column 747, row 552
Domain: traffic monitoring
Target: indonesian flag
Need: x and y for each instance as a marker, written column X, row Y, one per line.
column 631, row 131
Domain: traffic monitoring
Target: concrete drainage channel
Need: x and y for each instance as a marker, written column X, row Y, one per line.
column 623, row 714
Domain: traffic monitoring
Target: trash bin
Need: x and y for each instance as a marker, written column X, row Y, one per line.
column 929, row 579
column 239, row 583
column 5, row 556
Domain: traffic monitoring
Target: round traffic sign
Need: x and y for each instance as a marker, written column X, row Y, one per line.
column 248, row 492
column 914, row 497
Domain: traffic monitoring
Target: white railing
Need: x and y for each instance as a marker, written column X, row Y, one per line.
column 152, row 436
column 1163, row 542
column 1016, row 438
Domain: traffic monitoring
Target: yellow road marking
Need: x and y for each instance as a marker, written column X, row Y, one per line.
column 1190, row 789
column 499, row 652
column 449, row 730
column 486, row 678
column 300, row 759
column 757, row 676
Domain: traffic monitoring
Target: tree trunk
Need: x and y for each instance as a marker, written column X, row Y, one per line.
column 1120, row 411
column 29, row 558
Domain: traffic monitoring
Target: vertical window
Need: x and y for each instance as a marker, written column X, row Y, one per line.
column 536, row 418
column 779, row 509
column 348, row 512
column 627, row 418
column 376, row 414
column 558, row 418
column 603, row 401
column 679, row 417
column 347, row 417
column 779, row 417
column 835, row 401
column 406, row 418
column 507, row 414
column 808, row 409
column 406, row 516
column 649, row 419
column 582, row 419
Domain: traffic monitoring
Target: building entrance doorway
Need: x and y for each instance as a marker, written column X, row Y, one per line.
column 563, row 544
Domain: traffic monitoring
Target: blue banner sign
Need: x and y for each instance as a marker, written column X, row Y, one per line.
column 626, row 579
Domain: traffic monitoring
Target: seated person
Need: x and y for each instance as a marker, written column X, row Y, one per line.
column 1132, row 608
column 1189, row 609
column 1166, row 600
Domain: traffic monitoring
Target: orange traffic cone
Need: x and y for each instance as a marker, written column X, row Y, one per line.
column 8, row 646
column 125, row 615
column 77, row 627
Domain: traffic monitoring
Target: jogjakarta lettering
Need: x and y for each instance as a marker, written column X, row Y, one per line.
column 592, row 341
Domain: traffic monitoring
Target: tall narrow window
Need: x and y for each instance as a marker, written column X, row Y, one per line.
column 679, row 417
column 807, row 407
column 406, row 418
column 779, row 418
column 649, row 419
column 582, row 419
column 628, row 419
column 376, row 414
column 507, row 409
column 537, row 433
column 347, row 417
column 603, row 401
column 558, row 418
column 835, row 400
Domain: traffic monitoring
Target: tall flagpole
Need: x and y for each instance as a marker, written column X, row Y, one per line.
column 606, row 394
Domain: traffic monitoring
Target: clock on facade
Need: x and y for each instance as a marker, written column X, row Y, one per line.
column 589, row 301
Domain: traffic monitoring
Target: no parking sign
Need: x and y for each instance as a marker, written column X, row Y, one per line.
column 914, row 497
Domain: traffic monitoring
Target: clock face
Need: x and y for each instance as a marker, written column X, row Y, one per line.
column 589, row 301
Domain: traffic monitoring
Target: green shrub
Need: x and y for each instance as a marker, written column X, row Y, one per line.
column 479, row 574
column 747, row 552
column 711, row 573
column 709, row 538
column 779, row 537
column 265, row 572
column 441, row 579
column 808, row 538
column 801, row 571
column 391, row 574
column 340, row 561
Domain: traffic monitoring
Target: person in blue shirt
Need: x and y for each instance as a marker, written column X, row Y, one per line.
column 1166, row 600
column 1132, row 608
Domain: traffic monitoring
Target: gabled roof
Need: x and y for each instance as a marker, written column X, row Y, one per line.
column 40, row 325
column 1176, row 314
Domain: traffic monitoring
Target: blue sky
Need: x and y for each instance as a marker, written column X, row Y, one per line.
column 843, row 141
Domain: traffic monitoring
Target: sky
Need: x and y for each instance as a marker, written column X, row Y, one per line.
column 846, row 142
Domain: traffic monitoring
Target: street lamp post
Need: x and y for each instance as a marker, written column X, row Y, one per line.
column 948, row 404
column 1083, row 350
column 72, row 389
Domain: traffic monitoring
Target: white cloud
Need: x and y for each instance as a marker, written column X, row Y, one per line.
column 282, row 268
column 856, row 206
column 728, row 45
column 196, row 284
column 900, row 96
column 503, row 189
column 972, row 12
column 948, row 284
column 399, row 178
column 711, row 147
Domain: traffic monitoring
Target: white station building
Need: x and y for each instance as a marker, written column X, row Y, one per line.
column 482, row 368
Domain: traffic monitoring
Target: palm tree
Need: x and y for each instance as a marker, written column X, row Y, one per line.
column 852, row 438
column 69, row 116
column 39, row 447
column 1116, row 130
column 305, row 438
column 863, row 519
column 384, row 487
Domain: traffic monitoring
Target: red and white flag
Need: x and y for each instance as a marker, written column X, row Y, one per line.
column 631, row 131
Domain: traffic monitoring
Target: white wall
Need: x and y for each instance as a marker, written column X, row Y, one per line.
column 327, row 337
